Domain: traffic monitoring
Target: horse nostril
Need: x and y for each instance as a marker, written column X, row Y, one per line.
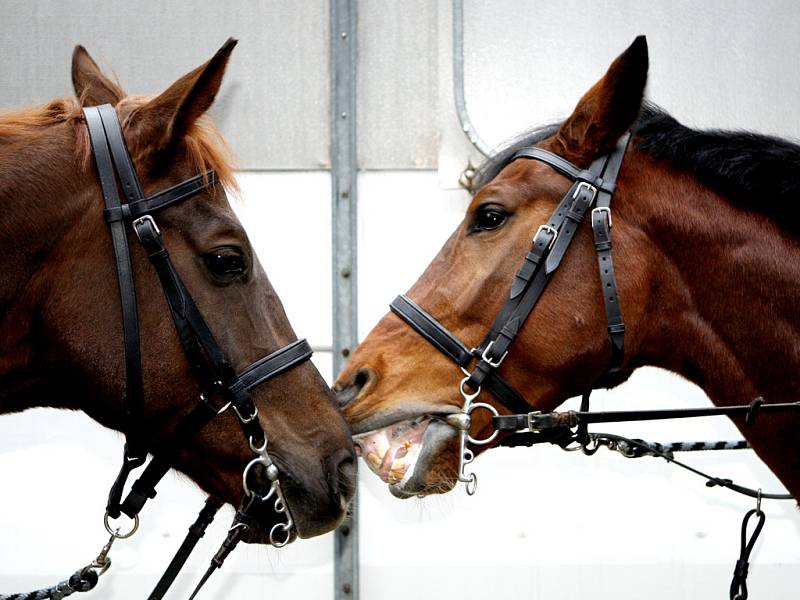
column 351, row 390
column 342, row 473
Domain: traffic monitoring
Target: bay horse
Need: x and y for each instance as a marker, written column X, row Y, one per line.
column 707, row 260
column 61, row 310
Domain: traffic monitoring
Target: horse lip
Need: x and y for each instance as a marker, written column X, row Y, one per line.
column 436, row 436
column 374, row 424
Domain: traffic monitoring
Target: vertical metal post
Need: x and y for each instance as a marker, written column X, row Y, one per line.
column 344, row 173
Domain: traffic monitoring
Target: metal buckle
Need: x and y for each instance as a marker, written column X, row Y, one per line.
column 143, row 219
column 552, row 230
column 531, row 416
column 249, row 419
column 484, row 356
column 586, row 185
column 602, row 209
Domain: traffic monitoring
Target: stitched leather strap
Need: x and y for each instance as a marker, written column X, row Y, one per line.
column 273, row 365
column 196, row 531
column 429, row 328
column 433, row 331
column 135, row 451
column 163, row 199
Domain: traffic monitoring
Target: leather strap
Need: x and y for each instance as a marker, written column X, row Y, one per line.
column 429, row 328
column 538, row 421
column 273, row 365
column 566, row 168
column 433, row 331
column 135, row 451
column 196, row 531
column 601, row 229
column 163, row 199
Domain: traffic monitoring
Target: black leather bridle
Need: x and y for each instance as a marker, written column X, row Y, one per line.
column 592, row 188
column 220, row 386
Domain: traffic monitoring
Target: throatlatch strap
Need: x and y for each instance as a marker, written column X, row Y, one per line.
column 135, row 449
column 601, row 229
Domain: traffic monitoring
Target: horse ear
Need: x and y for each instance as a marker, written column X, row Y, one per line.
column 92, row 87
column 167, row 118
column 607, row 110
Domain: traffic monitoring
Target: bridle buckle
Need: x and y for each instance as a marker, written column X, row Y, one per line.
column 552, row 243
column 600, row 210
column 587, row 186
column 145, row 219
column 485, row 354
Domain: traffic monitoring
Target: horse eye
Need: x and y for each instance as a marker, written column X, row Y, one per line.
column 488, row 218
column 226, row 262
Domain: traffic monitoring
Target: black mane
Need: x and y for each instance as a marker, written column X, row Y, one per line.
column 757, row 171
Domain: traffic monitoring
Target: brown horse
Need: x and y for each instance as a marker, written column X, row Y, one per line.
column 705, row 243
column 60, row 313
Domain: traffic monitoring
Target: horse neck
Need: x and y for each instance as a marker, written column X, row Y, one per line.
column 39, row 203
column 42, row 199
column 723, row 309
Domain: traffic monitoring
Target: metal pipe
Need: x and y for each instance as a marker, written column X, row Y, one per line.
column 458, row 81
column 344, row 194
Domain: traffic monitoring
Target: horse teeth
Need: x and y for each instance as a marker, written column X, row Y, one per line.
column 374, row 459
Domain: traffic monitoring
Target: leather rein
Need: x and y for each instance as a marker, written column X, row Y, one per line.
column 221, row 387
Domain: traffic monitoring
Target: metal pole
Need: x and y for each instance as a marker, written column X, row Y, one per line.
column 458, row 81
column 344, row 173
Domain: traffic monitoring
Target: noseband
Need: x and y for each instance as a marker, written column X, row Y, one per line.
column 219, row 384
column 593, row 189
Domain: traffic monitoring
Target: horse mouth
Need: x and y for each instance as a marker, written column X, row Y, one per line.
column 403, row 454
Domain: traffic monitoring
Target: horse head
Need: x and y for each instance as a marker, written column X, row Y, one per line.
column 60, row 311
column 693, row 244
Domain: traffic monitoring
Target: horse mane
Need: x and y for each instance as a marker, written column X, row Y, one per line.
column 205, row 146
column 756, row 171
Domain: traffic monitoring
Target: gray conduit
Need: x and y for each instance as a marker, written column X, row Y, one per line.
column 458, row 81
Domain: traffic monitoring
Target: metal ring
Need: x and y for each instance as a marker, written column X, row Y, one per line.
column 285, row 528
column 472, row 484
column 468, row 456
column 248, row 492
column 115, row 532
column 468, row 397
column 494, row 434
